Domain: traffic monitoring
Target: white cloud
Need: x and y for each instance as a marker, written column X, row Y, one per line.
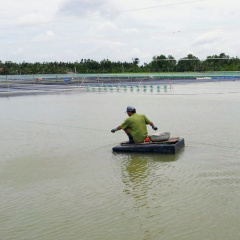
column 112, row 50
column 209, row 37
column 120, row 30
column 111, row 45
column 18, row 51
column 89, row 8
column 131, row 30
column 80, row 8
column 109, row 10
column 31, row 19
column 106, row 27
column 47, row 36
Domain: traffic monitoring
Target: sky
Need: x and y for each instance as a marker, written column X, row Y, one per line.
column 71, row 30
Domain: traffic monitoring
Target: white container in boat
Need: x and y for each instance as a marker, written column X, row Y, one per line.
column 157, row 137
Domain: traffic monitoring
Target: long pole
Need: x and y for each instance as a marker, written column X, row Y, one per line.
column 7, row 82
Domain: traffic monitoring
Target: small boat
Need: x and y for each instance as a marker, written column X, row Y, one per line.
column 171, row 146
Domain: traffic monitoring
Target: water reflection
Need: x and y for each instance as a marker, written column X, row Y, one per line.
column 141, row 173
column 144, row 177
column 135, row 175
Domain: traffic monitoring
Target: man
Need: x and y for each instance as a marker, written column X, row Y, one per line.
column 135, row 126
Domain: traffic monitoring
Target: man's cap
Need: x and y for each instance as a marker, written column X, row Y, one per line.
column 130, row 109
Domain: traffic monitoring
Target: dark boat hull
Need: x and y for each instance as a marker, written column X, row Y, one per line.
column 165, row 148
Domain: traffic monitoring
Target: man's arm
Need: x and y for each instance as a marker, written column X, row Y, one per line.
column 153, row 127
column 122, row 126
column 151, row 124
column 116, row 129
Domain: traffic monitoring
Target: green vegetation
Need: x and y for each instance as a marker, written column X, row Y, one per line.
column 159, row 63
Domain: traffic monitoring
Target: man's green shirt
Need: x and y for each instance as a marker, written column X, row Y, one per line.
column 137, row 125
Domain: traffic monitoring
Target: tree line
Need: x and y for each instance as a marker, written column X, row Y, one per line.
column 161, row 63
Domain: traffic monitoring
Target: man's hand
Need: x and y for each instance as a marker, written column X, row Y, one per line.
column 114, row 130
column 154, row 128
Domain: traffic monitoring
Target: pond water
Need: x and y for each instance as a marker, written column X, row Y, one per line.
column 59, row 178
